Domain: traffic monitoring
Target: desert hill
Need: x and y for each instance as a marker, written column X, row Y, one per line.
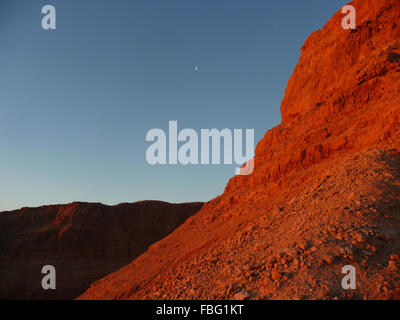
column 325, row 191
column 83, row 241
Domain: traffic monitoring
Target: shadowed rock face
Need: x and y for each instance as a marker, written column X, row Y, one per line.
column 83, row 241
column 324, row 192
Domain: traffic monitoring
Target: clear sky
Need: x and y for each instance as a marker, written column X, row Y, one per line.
column 76, row 103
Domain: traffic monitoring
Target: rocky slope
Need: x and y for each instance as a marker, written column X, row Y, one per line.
column 325, row 191
column 83, row 241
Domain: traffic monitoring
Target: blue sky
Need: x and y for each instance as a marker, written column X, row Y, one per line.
column 76, row 103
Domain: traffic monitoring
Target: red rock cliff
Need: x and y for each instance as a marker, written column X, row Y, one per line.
column 325, row 191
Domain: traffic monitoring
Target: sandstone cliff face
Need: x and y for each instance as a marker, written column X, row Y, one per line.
column 343, row 95
column 325, row 191
column 83, row 241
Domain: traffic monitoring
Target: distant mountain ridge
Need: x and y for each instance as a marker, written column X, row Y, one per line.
column 83, row 241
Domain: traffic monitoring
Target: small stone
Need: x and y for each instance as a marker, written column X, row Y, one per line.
column 291, row 252
column 328, row 258
column 394, row 256
column 301, row 246
column 392, row 265
column 339, row 236
column 372, row 248
column 360, row 237
column 276, row 275
column 242, row 295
